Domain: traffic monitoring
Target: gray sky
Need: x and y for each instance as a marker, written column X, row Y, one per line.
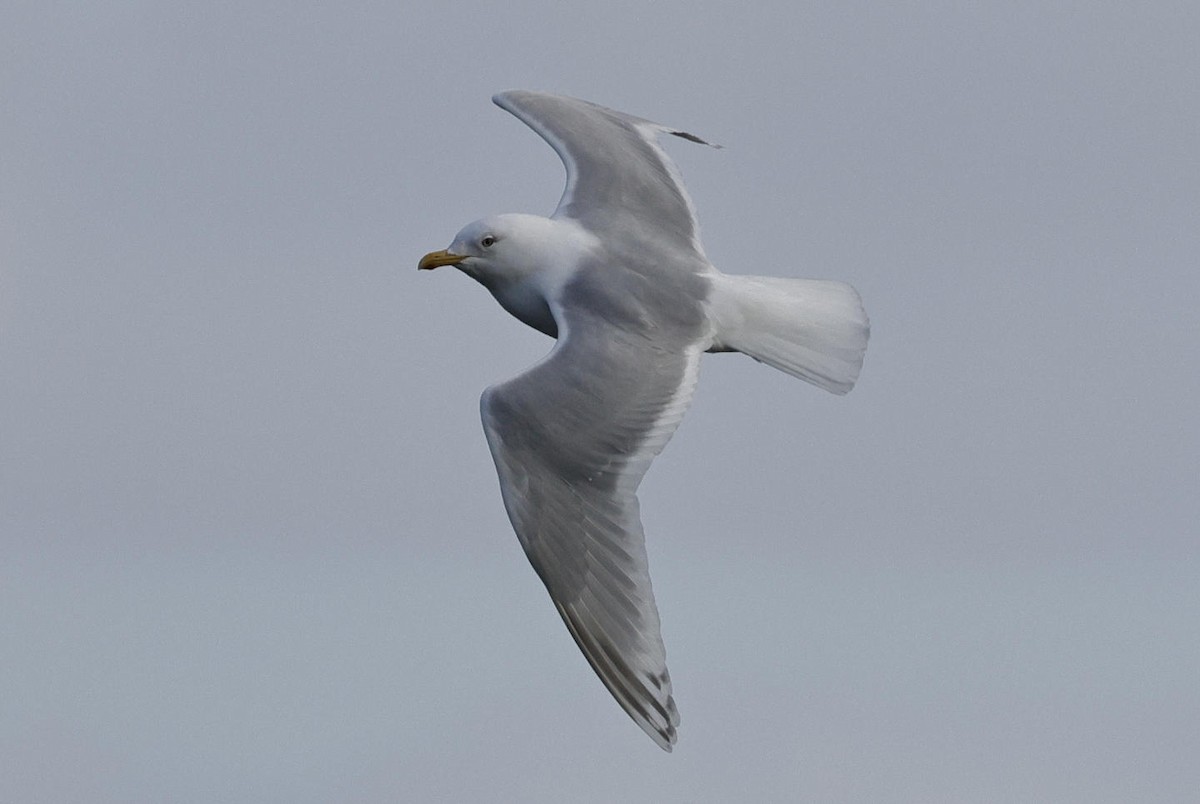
column 253, row 545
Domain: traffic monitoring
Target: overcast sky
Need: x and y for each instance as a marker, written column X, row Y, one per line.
column 252, row 546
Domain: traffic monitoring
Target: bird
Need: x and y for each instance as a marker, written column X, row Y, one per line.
column 617, row 275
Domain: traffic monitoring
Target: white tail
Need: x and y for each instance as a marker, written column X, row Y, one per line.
column 814, row 329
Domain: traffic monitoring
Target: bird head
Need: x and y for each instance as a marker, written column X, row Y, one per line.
column 509, row 248
column 495, row 248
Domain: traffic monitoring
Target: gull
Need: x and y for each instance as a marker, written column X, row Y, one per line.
column 618, row 277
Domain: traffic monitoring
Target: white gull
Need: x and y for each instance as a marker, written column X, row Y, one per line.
column 618, row 276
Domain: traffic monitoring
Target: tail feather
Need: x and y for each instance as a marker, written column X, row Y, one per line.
column 814, row 329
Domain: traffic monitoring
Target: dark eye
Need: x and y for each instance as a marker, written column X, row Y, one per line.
column 487, row 241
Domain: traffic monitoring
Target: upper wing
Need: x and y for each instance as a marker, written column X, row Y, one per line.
column 617, row 174
column 572, row 438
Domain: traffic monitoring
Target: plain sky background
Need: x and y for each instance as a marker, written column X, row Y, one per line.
column 251, row 542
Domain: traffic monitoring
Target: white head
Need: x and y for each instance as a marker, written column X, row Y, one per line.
column 524, row 260
column 508, row 248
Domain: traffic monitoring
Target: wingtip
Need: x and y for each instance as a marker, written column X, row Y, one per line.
column 505, row 100
column 693, row 138
column 664, row 738
column 666, row 735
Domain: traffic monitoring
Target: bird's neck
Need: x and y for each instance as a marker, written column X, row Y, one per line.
column 526, row 300
column 555, row 253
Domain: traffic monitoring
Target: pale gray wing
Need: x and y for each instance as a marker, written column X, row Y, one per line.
column 572, row 438
column 618, row 177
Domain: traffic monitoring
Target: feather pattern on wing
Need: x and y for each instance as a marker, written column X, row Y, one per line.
column 572, row 438
column 598, row 146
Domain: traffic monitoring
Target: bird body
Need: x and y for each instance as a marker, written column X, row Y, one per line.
column 619, row 277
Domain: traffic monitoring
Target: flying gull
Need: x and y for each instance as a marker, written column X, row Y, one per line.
column 618, row 277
